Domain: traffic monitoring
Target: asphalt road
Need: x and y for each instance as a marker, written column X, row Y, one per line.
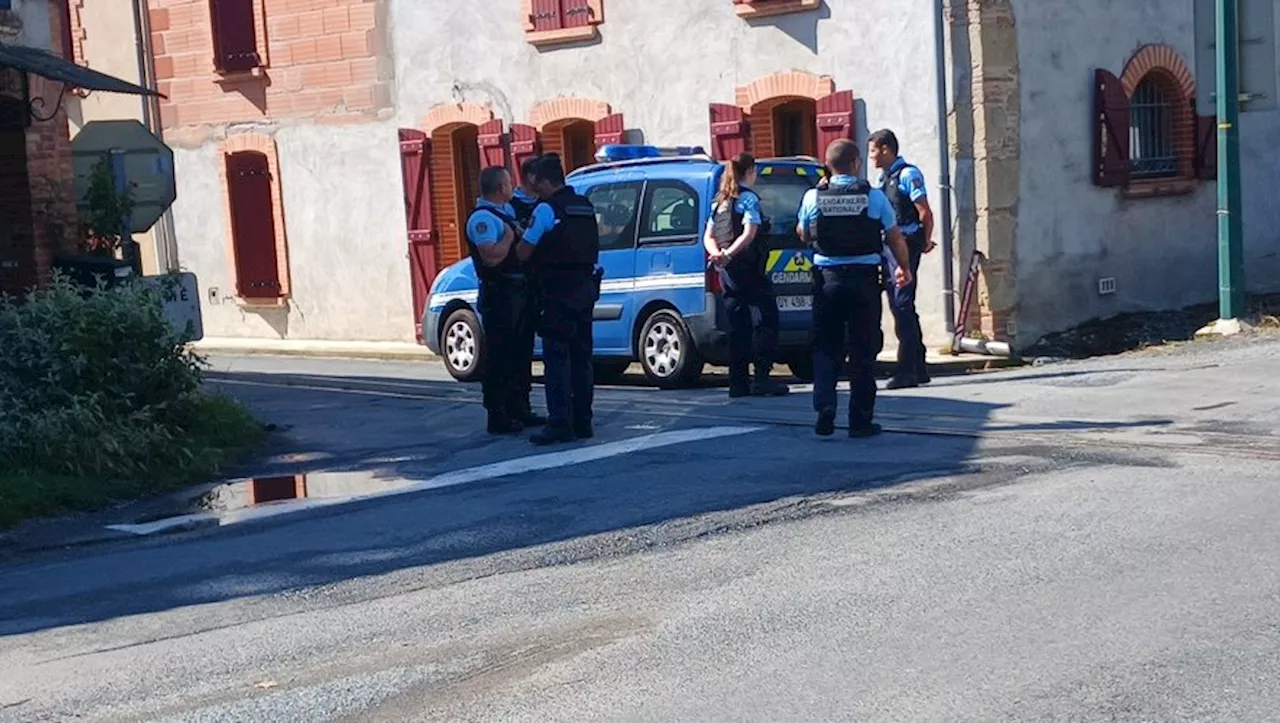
column 1078, row 542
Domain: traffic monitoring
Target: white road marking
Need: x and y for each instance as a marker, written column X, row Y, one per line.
column 506, row 468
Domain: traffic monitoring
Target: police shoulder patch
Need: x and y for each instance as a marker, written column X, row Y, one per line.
column 917, row 183
column 482, row 226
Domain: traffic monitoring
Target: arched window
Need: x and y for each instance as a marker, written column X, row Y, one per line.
column 1152, row 143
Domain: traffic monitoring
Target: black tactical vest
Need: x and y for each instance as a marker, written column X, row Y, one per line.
column 574, row 244
column 845, row 227
column 903, row 206
column 510, row 265
column 728, row 224
column 524, row 210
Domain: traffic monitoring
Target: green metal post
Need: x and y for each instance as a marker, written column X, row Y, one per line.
column 1230, row 232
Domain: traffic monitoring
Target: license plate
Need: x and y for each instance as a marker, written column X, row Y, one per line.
column 795, row 303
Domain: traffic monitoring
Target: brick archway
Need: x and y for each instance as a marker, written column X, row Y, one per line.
column 1158, row 57
column 455, row 113
column 567, row 108
column 793, row 84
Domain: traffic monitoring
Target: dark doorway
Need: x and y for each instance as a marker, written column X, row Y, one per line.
column 17, row 236
column 794, row 130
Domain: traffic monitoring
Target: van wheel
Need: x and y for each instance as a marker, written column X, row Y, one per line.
column 802, row 369
column 462, row 346
column 667, row 353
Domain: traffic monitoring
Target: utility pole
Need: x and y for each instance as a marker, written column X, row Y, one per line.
column 1231, row 301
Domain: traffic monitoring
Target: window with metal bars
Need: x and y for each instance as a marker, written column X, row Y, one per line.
column 1152, row 153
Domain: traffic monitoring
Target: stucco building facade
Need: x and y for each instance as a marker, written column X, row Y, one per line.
column 327, row 149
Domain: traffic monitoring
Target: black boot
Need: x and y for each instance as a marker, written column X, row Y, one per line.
column 903, row 381
column 552, row 434
column 766, row 386
column 503, row 424
column 529, row 418
column 826, row 424
column 583, row 429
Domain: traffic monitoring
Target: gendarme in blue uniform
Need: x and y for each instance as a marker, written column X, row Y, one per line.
column 749, row 304
column 910, row 186
column 878, row 207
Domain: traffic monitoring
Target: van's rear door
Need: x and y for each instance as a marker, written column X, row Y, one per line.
column 781, row 187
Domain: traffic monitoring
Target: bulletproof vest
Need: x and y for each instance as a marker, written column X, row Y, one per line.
column 574, row 243
column 845, row 228
column 524, row 210
column 510, row 265
column 903, row 206
column 728, row 224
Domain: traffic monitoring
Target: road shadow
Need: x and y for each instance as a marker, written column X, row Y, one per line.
column 405, row 429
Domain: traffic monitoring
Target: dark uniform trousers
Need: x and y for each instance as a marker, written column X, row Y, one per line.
column 846, row 301
column 506, row 312
column 522, row 352
column 752, row 313
column 567, row 302
column 902, row 302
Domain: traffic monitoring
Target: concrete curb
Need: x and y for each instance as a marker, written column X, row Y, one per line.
column 398, row 351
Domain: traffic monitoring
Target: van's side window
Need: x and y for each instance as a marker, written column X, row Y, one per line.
column 617, row 206
column 671, row 213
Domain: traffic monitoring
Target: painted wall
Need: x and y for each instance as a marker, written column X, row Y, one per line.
column 661, row 62
column 1162, row 251
column 344, row 218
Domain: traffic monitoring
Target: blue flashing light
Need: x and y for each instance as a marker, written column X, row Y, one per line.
column 621, row 152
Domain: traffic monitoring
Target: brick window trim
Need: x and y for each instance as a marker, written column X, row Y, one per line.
column 260, row 42
column 765, row 8
column 582, row 33
column 1167, row 67
column 265, row 145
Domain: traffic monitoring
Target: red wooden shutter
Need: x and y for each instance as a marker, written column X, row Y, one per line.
column 1110, row 130
column 524, row 145
column 235, row 38
column 729, row 131
column 253, row 226
column 610, row 130
column 546, row 15
column 1206, row 147
column 575, row 13
column 493, row 150
column 834, row 119
column 415, row 163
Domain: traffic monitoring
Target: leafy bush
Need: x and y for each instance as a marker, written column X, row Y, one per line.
column 94, row 384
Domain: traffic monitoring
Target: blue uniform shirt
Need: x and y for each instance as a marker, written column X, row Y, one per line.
column 544, row 219
column 525, row 196
column 485, row 228
column 748, row 204
column 878, row 207
column 910, row 184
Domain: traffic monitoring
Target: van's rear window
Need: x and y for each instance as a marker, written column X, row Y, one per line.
column 781, row 188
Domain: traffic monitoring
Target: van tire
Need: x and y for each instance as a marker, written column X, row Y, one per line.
column 462, row 346
column 667, row 352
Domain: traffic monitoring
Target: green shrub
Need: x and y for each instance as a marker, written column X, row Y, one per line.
column 95, row 385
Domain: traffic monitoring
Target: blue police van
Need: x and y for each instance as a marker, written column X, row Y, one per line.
column 659, row 303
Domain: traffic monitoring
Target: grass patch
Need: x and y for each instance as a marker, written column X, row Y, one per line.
column 211, row 431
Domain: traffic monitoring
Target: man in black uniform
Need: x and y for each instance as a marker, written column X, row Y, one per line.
column 523, row 201
column 563, row 244
column 847, row 222
column 492, row 233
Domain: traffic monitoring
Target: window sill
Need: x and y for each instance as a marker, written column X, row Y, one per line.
column 1160, row 188
column 541, row 38
column 239, row 76
column 767, row 8
column 279, row 302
